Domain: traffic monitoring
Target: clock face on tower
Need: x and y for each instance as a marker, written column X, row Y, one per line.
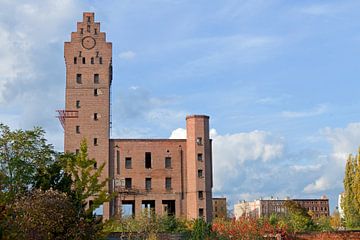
column 88, row 42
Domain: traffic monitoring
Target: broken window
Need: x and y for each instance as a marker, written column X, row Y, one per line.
column 167, row 162
column 168, row 183
column 148, row 184
column 148, row 160
column 96, row 78
column 128, row 163
column 78, row 78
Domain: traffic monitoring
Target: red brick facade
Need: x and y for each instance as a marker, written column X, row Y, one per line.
column 168, row 176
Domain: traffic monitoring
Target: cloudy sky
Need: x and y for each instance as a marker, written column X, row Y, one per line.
column 279, row 80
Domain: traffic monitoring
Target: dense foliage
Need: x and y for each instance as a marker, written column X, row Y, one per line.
column 43, row 192
column 351, row 198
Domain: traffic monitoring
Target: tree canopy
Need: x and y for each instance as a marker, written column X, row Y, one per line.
column 351, row 198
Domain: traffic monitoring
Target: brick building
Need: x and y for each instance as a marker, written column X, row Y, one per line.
column 171, row 176
column 266, row 207
column 219, row 208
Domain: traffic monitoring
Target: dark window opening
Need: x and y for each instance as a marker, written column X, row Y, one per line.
column 97, row 53
column 201, row 194
column 95, row 31
column 128, row 183
column 78, row 78
column 100, row 60
column 96, row 92
column 81, row 30
column 83, row 60
column 200, row 173
column 92, row 60
column 95, row 165
column 95, row 141
column 77, row 151
column 88, row 19
column 88, row 28
column 96, row 78
column 75, row 60
column 169, row 207
column 168, row 183
column 79, row 53
column 96, row 117
column 167, row 162
column 200, row 157
column 77, row 129
column 148, row 160
column 128, row 163
column 201, row 212
column 118, row 162
column 148, row 206
column 77, row 103
column 148, row 184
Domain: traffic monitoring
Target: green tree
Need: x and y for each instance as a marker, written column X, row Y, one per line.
column 86, row 182
column 351, row 198
column 22, row 155
column 298, row 218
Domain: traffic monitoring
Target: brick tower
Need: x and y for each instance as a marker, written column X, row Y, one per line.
column 199, row 167
column 87, row 101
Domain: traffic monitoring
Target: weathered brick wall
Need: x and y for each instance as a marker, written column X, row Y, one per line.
column 160, row 236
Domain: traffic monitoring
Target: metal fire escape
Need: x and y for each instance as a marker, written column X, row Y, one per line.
column 63, row 114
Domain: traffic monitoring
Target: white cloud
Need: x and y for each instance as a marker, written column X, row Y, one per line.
column 179, row 133
column 128, row 55
column 320, row 185
column 320, row 109
column 343, row 141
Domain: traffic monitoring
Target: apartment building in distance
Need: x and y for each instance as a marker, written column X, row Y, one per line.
column 169, row 176
column 219, row 207
column 266, row 207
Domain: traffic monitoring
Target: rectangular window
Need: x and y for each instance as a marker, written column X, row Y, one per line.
column 148, row 160
column 95, row 141
column 201, row 212
column 81, row 30
column 77, row 129
column 96, row 117
column 78, row 78
column 118, row 162
column 100, row 60
column 168, row 183
column 92, row 60
column 96, row 78
column 148, row 184
column 96, row 92
column 199, row 141
column 75, row 60
column 95, row 31
column 167, row 162
column 201, row 194
column 77, row 151
column 128, row 163
column 127, row 183
column 200, row 173
column 95, row 165
column 83, row 60
column 200, row 157
column 77, row 103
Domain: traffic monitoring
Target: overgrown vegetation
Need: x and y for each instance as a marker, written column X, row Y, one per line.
column 43, row 194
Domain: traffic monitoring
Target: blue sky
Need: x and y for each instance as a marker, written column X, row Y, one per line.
column 279, row 80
